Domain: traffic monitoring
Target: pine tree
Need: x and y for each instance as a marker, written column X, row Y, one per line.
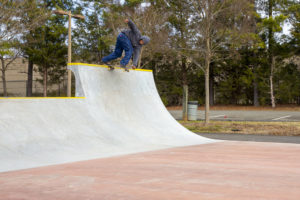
column 45, row 46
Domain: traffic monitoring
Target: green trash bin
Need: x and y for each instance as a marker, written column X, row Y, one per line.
column 192, row 110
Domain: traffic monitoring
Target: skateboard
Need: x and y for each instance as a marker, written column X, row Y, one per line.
column 125, row 69
column 111, row 68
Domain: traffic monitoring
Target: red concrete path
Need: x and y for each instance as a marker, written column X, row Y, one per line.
column 226, row 170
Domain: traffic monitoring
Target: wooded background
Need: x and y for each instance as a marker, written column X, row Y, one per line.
column 217, row 51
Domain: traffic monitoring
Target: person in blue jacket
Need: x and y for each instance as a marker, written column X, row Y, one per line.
column 131, row 41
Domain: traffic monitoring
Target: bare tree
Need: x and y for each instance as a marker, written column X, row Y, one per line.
column 13, row 15
column 216, row 24
column 11, row 55
column 13, row 24
column 179, row 22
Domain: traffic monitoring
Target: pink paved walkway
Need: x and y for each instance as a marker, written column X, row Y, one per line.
column 226, row 170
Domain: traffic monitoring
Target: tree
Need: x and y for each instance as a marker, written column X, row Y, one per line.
column 294, row 19
column 13, row 24
column 216, row 23
column 37, row 11
column 92, row 38
column 45, row 45
column 275, row 11
column 8, row 53
column 179, row 21
column 50, row 50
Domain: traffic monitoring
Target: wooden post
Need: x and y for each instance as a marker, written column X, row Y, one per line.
column 69, row 86
column 70, row 15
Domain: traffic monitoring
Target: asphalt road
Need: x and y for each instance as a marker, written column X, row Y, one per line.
column 253, row 138
column 232, row 115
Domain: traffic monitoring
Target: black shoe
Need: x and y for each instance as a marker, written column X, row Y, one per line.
column 110, row 67
column 126, row 69
column 104, row 63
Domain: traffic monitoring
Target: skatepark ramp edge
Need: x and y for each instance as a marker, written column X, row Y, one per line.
column 113, row 113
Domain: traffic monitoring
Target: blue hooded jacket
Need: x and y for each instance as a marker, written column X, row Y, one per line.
column 134, row 35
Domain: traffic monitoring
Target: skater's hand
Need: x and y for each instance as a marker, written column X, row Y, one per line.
column 133, row 67
column 126, row 21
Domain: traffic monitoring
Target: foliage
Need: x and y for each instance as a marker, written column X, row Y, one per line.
column 240, row 34
column 45, row 45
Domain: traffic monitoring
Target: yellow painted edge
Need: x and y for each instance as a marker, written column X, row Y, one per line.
column 42, row 98
column 104, row 66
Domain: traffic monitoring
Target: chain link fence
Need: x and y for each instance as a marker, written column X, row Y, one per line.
column 18, row 88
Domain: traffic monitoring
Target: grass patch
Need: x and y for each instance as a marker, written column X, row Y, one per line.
column 245, row 127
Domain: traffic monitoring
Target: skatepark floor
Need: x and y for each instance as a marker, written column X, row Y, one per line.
column 222, row 170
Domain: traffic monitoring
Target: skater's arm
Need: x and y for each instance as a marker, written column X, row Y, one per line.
column 133, row 27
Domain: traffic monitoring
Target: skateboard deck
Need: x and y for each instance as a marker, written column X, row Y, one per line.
column 111, row 68
column 126, row 69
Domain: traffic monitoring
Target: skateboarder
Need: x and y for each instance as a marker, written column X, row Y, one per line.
column 130, row 40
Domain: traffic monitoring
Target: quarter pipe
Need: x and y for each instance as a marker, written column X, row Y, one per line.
column 113, row 113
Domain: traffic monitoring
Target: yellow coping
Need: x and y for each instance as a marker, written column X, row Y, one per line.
column 104, row 66
column 93, row 65
column 42, row 98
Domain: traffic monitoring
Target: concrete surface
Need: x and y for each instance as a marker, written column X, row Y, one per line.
column 121, row 114
column 240, row 115
column 216, row 171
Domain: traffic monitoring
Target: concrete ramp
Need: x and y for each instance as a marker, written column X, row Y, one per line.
column 114, row 113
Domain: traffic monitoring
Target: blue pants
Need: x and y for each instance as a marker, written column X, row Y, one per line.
column 123, row 43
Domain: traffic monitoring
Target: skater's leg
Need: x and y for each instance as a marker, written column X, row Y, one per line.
column 127, row 46
column 117, row 52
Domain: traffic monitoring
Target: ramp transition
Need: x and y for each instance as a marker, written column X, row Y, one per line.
column 113, row 113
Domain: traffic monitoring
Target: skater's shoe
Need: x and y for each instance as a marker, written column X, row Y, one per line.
column 104, row 63
column 125, row 68
column 110, row 67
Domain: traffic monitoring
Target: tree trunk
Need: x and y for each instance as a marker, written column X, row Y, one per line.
column 271, row 83
column 59, row 89
column 255, row 93
column 271, row 52
column 4, row 83
column 45, row 82
column 3, row 77
column 255, row 88
column 29, row 78
column 207, row 63
column 185, row 90
column 206, row 95
column 211, row 89
column 185, row 102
